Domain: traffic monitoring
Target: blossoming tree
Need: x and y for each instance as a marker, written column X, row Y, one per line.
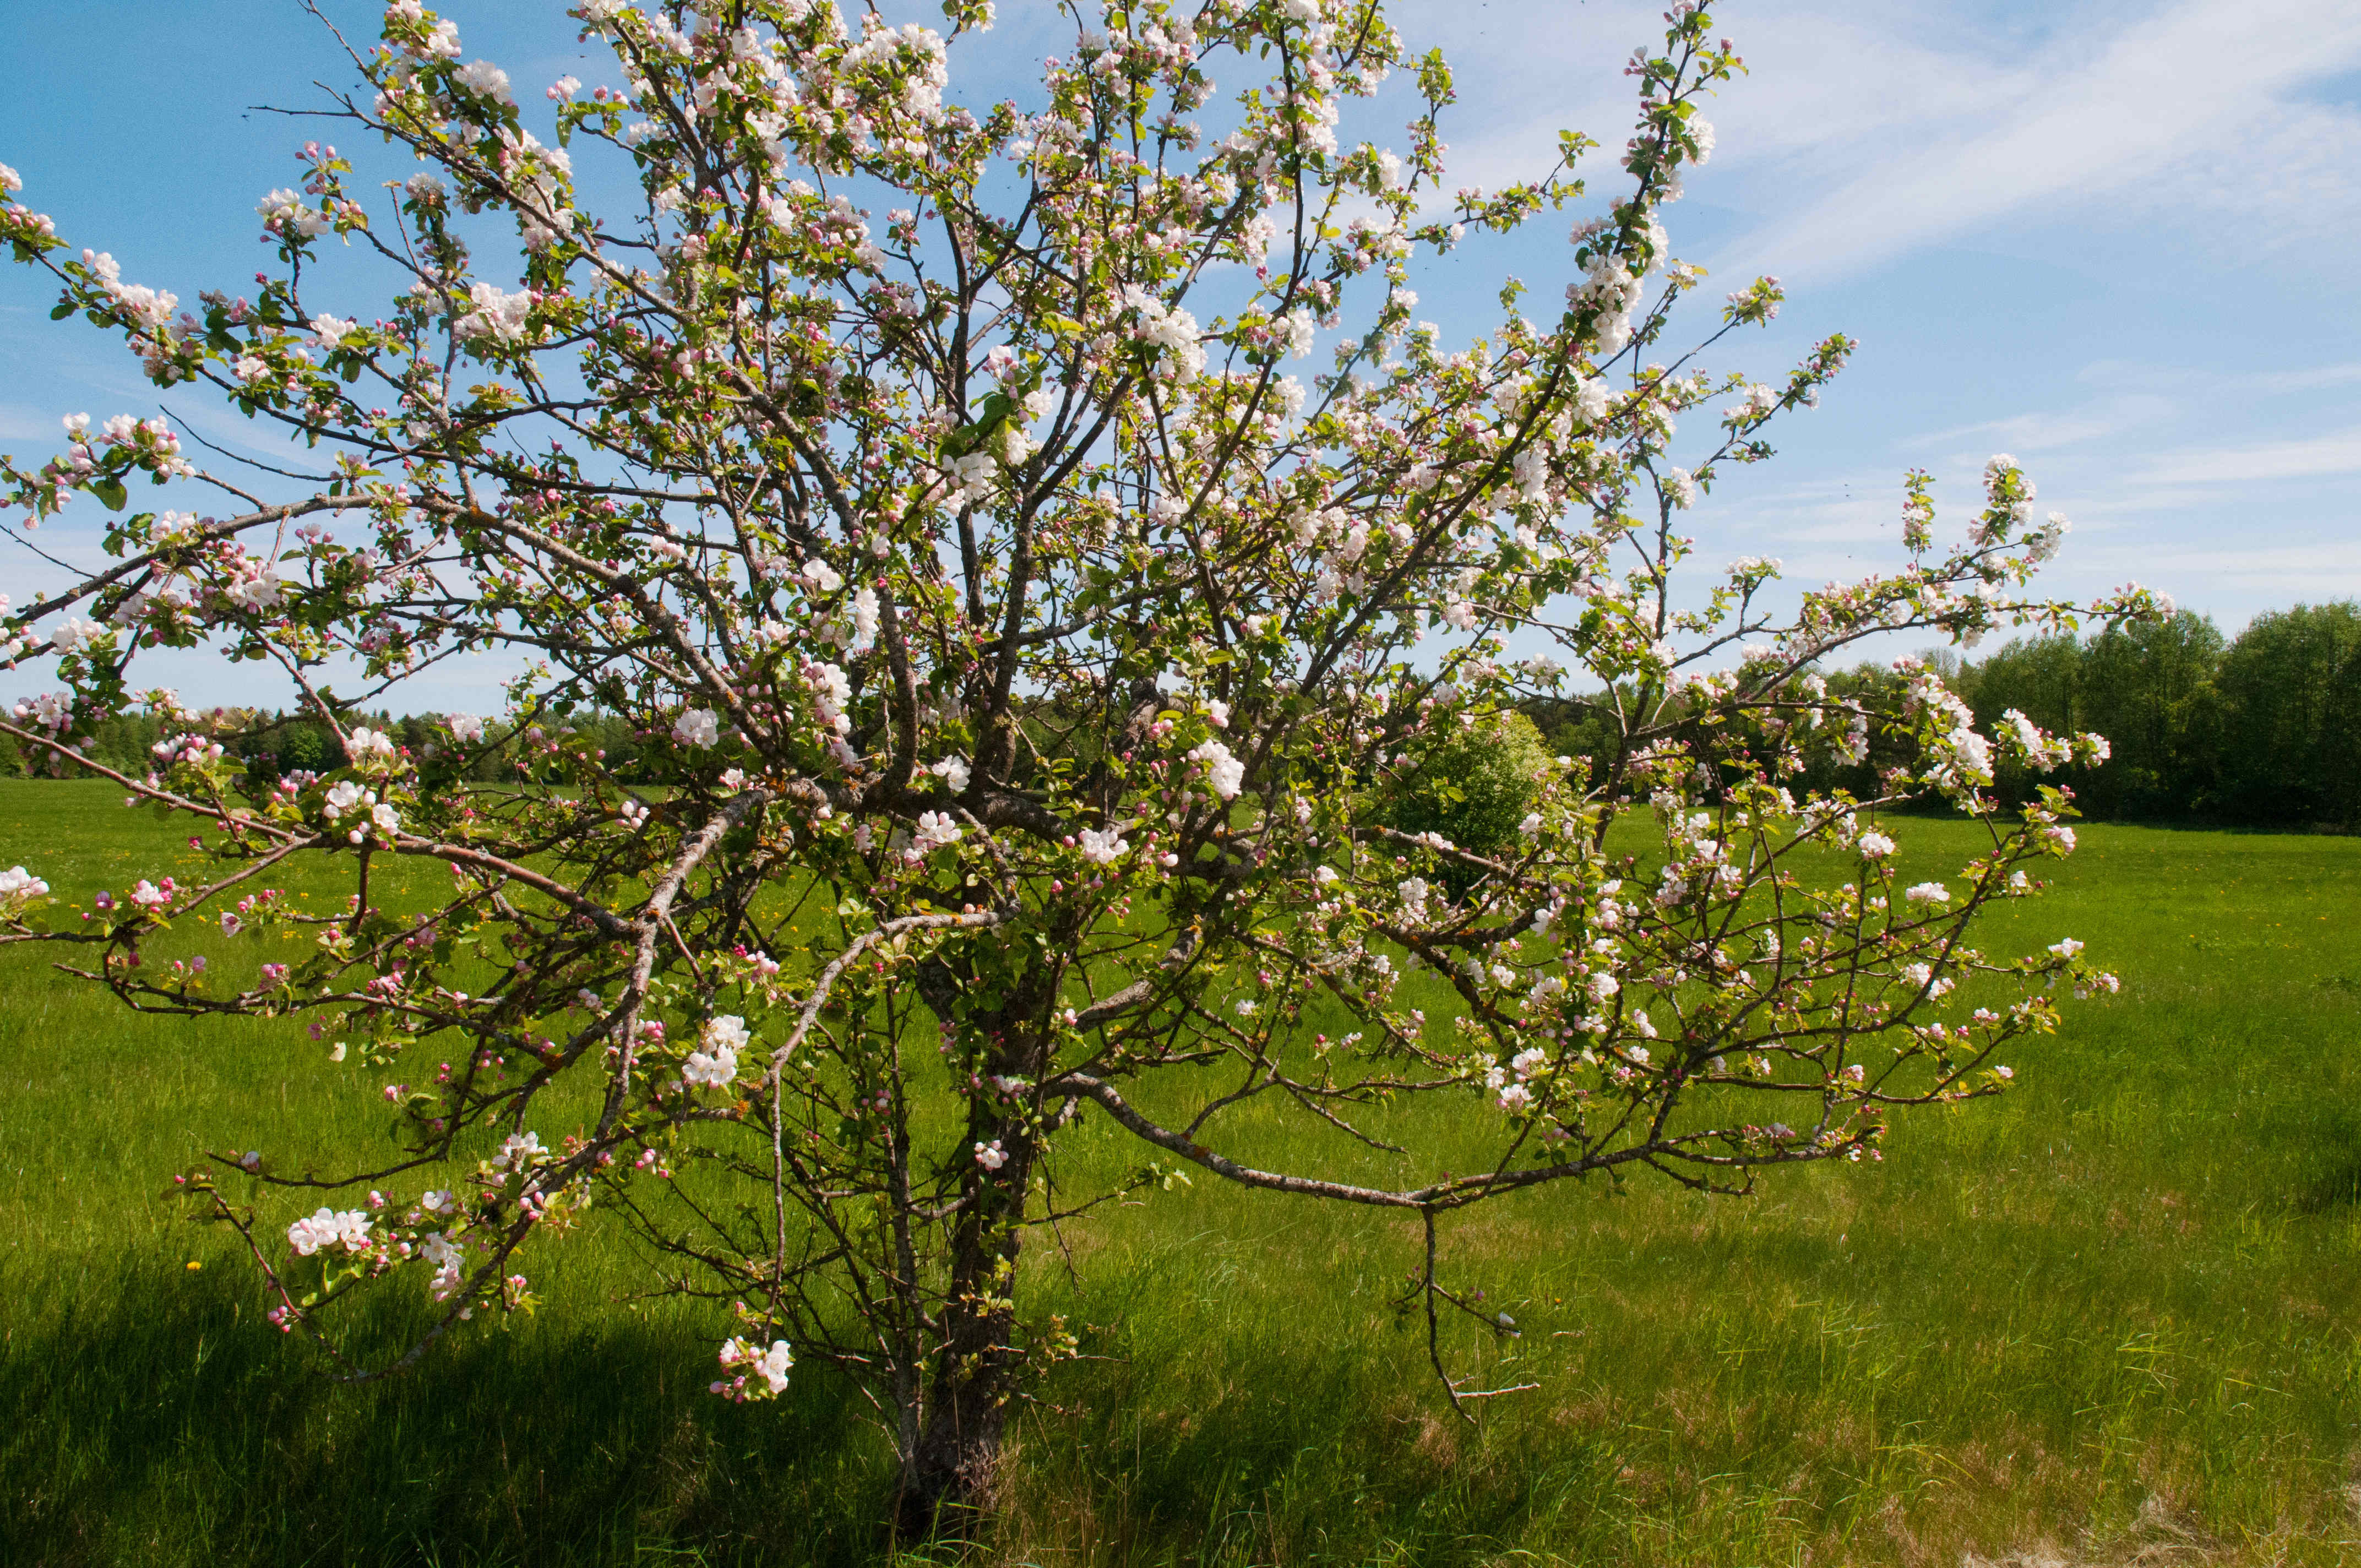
column 1027, row 667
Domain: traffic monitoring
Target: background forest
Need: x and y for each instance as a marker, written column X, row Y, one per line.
column 2262, row 730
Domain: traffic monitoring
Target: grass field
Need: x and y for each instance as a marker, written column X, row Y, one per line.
column 2109, row 1319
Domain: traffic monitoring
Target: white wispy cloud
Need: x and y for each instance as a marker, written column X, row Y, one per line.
column 2314, row 570
column 2315, row 379
column 22, row 421
column 2051, row 432
column 2289, row 182
column 2310, row 457
column 2101, row 114
column 1814, row 526
column 2184, row 383
column 1873, row 130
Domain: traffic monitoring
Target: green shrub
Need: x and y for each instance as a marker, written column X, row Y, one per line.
column 1475, row 782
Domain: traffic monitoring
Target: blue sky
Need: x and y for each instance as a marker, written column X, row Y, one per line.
column 2115, row 239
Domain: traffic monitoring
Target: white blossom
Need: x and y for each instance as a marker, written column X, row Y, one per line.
column 75, row 633
column 771, row 1365
column 485, row 80
column 518, row 1151
column 328, row 1228
column 715, row 1067
column 1100, row 847
column 18, row 885
column 1226, row 772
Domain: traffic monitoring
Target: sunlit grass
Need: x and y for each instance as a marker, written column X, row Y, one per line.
column 2113, row 1312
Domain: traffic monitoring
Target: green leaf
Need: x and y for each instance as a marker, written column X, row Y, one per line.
column 110, row 490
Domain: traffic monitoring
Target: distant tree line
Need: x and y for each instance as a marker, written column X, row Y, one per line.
column 2262, row 730
column 276, row 744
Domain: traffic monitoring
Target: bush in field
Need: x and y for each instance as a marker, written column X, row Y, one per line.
column 1478, row 783
column 1022, row 662
column 307, row 748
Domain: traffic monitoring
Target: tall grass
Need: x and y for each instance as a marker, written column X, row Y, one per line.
column 2110, row 1317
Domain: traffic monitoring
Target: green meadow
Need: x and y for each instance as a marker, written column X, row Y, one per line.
column 2108, row 1319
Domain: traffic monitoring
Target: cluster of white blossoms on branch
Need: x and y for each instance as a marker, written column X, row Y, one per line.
column 716, row 1066
column 1225, row 772
column 18, row 888
column 1103, row 846
column 347, row 799
column 347, row 1228
column 752, row 1363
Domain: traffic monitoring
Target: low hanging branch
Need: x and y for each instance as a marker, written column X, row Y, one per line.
column 1031, row 681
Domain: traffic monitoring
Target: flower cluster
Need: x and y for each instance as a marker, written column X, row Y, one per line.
column 18, row 889
column 328, row 1228
column 751, row 1362
column 716, row 1066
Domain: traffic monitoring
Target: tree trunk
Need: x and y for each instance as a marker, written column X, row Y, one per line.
column 947, row 1479
column 948, row 1475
